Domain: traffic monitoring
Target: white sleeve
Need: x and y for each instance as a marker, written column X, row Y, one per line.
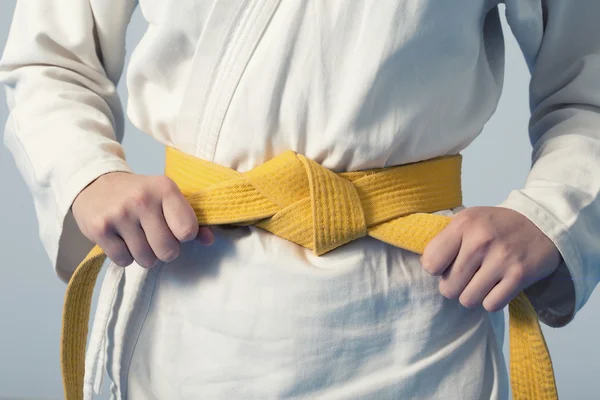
column 561, row 44
column 61, row 63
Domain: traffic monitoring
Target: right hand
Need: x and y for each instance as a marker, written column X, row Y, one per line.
column 137, row 217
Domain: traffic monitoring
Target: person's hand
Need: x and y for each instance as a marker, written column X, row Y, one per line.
column 488, row 255
column 136, row 217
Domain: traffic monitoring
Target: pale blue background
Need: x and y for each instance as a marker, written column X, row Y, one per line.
column 31, row 295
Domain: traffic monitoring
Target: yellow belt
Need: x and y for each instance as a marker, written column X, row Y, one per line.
column 301, row 201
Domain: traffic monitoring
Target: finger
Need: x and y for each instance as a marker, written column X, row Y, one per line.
column 160, row 238
column 442, row 250
column 502, row 294
column 135, row 239
column 205, row 236
column 456, row 277
column 115, row 249
column 180, row 217
column 485, row 279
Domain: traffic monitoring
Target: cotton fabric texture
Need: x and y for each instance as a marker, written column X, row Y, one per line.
column 350, row 84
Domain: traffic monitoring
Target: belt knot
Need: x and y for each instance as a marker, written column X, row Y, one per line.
column 318, row 208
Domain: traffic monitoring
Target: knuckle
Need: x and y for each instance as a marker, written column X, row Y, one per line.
column 482, row 235
column 460, row 222
column 477, row 244
column 465, row 219
column 141, row 199
column 120, row 214
column 486, row 238
column 519, row 272
column 166, row 184
column 99, row 227
column 502, row 253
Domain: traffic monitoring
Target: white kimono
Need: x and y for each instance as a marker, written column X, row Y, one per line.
column 352, row 84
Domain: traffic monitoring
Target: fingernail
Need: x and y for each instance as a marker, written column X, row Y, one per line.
column 206, row 237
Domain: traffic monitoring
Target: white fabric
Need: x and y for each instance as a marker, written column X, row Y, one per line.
column 350, row 84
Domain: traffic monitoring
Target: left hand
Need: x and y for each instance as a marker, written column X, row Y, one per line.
column 487, row 255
